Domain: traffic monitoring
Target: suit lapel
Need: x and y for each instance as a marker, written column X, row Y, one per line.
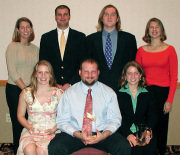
column 69, row 43
column 131, row 106
column 119, row 51
column 139, row 105
column 55, row 42
column 99, row 50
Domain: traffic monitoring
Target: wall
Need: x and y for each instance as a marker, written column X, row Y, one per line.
column 5, row 128
column 84, row 15
column 174, row 126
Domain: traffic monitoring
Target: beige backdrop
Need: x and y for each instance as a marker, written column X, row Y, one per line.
column 84, row 14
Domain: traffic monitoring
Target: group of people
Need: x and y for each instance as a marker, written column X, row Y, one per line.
column 101, row 84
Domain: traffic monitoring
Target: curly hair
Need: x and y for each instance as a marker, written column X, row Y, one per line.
column 147, row 37
column 123, row 81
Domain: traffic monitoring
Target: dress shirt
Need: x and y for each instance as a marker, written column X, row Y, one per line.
column 66, row 32
column 113, row 36
column 134, row 100
column 71, row 107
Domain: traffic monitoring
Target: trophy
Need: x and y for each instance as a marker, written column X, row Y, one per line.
column 141, row 134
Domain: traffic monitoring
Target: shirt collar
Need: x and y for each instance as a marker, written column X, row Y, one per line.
column 126, row 89
column 105, row 33
column 85, row 87
column 65, row 31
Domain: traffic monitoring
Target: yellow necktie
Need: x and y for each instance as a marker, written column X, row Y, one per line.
column 62, row 45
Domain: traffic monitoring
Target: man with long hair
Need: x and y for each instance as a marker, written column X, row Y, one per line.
column 111, row 47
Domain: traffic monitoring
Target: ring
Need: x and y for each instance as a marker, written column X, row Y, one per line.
column 149, row 138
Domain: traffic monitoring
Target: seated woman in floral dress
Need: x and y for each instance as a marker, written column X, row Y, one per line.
column 40, row 100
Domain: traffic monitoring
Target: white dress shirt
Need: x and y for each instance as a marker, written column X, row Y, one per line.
column 71, row 107
column 66, row 32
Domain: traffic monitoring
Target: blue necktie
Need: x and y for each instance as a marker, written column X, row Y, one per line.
column 108, row 51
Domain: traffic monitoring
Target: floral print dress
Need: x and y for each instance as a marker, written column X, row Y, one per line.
column 42, row 117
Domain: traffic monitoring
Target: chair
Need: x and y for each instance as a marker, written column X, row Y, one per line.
column 89, row 151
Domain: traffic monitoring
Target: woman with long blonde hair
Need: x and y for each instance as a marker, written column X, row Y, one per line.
column 40, row 100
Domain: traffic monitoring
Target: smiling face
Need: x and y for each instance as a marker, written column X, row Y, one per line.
column 133, row 76
column 154, row 30
column 110, row 19
column 62, row 18
column 89, row 73
column 24, row 30
column 43, row 75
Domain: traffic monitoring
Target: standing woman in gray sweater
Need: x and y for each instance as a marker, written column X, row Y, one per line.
column 21, row 57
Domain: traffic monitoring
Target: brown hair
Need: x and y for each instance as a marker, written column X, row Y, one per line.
column 62, row 7
column 100, row 23
column 123, row 81
column 147, row 37
column 16, row 36
column 91, row 61
column 33, row 84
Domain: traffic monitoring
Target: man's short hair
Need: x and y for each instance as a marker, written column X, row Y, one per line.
column 62, row 7
column 91, row 61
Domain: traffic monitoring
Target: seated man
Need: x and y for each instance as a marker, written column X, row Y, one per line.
column 89, row 107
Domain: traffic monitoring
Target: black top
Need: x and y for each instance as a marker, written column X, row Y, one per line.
column 145, row 111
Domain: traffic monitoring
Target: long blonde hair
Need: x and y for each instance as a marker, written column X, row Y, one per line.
column 100, row 23
column 33, row 85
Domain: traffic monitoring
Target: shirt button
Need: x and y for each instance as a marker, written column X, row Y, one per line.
column 62, row 67
column 62, row 77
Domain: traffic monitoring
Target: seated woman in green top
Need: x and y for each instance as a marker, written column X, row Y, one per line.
column 137, row 107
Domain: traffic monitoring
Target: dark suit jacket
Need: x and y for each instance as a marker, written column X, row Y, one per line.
column 126, row 51
column 145, row 111
column 65, row 71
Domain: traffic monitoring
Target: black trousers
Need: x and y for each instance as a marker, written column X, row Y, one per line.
column 12, row 97
column 64, row 144
column 160, row 95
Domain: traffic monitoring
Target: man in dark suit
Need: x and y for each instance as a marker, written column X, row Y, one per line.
column 121, row 45
column 66, row 61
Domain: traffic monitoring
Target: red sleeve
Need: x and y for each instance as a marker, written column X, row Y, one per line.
column 173, row 72
column 138, row 56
